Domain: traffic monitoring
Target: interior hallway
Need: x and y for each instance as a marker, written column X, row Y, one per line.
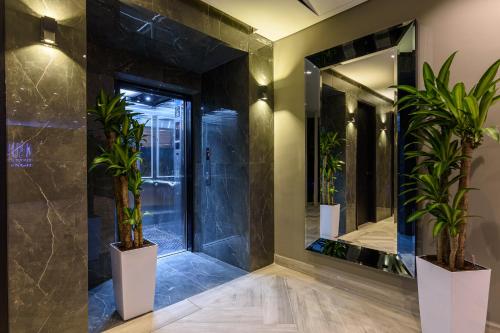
column 274, row 299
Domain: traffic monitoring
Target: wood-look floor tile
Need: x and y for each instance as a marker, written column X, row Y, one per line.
column 276, row 300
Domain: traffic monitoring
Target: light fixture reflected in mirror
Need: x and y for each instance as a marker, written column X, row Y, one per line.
column 48, row 30
column 262, row 93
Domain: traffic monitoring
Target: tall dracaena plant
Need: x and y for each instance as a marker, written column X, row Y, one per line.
column 121, row 157
column 463, row 114
column 330, row 164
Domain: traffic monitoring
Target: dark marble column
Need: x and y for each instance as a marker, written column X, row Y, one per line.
column 261, row 156
column 4, row 325
column 46, row 136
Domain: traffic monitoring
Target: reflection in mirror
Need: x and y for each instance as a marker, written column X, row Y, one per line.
column 352, row 153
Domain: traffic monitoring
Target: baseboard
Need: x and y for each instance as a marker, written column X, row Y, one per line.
column 394, row 297
column 492, row 327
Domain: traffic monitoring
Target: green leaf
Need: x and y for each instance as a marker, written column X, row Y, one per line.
column 438, row 228
column 444, row 72
column 417, row 215
column 486, row 80
column 492, row 132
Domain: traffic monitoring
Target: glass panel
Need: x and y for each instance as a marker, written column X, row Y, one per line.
column 146, row 148
column 163, row 167
column 165, row 147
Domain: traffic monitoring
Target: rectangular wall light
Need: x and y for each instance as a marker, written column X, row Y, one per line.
column 262, row 93
column 48, row 30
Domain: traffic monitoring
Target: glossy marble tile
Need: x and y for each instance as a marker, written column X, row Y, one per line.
column 179, row 276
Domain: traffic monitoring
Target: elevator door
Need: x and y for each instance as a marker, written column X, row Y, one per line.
column 163, row 168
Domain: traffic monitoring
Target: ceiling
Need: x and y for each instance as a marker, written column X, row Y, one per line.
column 276, row 19
column 375, row 71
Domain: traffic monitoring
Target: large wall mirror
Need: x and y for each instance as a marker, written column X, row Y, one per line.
column 354, row 149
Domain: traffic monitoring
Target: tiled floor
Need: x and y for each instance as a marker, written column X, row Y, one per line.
column 178, row 277
column 278, row 300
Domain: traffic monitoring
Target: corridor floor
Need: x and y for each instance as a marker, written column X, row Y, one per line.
column 278, row 300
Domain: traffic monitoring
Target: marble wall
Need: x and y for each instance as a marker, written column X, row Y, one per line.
column 221, row 198
column 261, row 158
column 225, row 66
column 46, row 137
column 201, row 17
column 3, row 187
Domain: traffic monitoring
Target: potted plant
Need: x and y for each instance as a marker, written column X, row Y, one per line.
column 133, row 259
column 330, row 164
column 447, row 125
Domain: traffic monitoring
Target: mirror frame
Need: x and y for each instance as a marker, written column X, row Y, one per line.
column 402, row 263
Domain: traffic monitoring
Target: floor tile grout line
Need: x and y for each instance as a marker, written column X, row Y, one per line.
column 180, row 318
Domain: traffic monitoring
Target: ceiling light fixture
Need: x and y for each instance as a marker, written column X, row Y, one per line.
column 308, row 72
column 48, row 30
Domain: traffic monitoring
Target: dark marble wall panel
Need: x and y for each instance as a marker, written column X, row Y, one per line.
column 221, row 190
column 351, row 158
column 202, row 17
column 385, row 160
column 261, row 150
column 106, row 64
column 46, row 130
column 4, row 324
column 253, row 243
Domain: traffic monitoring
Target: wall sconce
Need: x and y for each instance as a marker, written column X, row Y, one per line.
column 262, row 93
column 351, row 118
column 48, row 30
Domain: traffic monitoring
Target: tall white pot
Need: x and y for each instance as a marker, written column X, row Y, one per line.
column 134, row 279
column 329, row 217
column 452, row 302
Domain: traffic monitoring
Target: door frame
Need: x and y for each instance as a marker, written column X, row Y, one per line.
column 188, row 152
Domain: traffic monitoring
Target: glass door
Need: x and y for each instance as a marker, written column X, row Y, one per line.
column 163, row 167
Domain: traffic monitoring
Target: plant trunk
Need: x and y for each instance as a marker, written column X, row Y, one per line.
column 138, row 237
column 443, row 248
column 443, row 240
column 453, row 252
column 464, row 183
column 125, row 234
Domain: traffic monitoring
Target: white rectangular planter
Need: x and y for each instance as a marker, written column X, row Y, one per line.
column 329, row 217
column 134, row 279
column 452, row 302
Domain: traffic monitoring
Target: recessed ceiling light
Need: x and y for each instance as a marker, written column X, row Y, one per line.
column 393, row 56
column 148, row 98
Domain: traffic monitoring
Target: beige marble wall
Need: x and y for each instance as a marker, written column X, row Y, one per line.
column 441, row 30
column 46, row 133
